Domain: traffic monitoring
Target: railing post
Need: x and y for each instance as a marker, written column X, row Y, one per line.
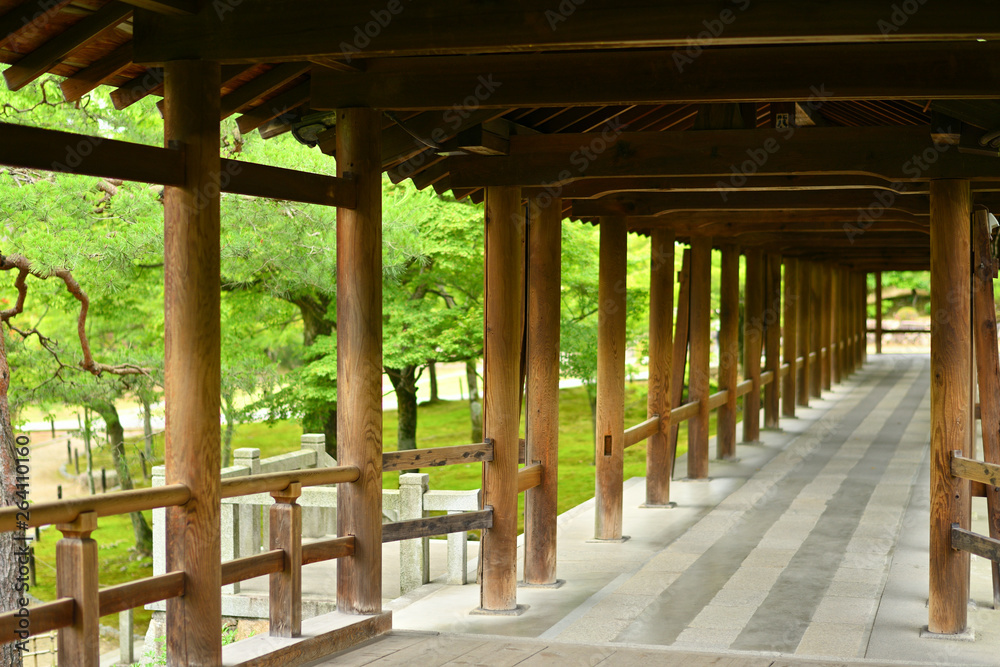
column 729, row 346
column 285, row 589
column 541, row 506
column 76, row 577
column 414, row 555
column 659, row 457
column 192, row 361
column 359, row 360
column 753, row 336
column 790, row 337
column 698, row 389
column 951, row 411
column 501, row 410
column 610, row 445
column 772, row 333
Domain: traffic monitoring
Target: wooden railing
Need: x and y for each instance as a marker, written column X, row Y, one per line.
column 978, row 472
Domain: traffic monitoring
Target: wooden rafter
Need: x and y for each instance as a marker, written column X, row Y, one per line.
column 94, row 75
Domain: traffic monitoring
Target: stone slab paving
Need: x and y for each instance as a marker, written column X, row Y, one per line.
column 813, row 545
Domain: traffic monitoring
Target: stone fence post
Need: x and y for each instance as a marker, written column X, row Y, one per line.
column 414, row 555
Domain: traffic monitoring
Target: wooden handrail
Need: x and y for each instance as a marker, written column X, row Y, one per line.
column 248, row 567
column 337, row 547
column 982, row 546
column 642, row 430
column 717, row 399
column 784, row 369
column 529, row 477
column 43, row 618
column 684, row 412
column 437, row 456
column 119, row 502
column 767, row 377
column 141, row 592
column 744, row 388
column 276, row 481
column 977, row 471
column 437, row 525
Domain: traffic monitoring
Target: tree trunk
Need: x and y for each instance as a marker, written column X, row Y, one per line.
column 432, row 371
column 404, row 381
column 229, row 412
column 9, row 595
column 147, row 429
column 475, row 406
column 116, row 433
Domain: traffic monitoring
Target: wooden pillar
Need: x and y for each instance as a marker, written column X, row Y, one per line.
column 501, row 412
column 542, row 416
column 729, row 351
column 878, row 312
column 659, row 453
column 77, row 567
column 951, row 409
column 848, row 310
column 790, row 337
column 802, row 314
column 610, row 453
column 192, row 365
column 772, row 333
column 285, row 587
column 359, row 361
column 701, row 295
column 826, row 324
column 682, row 333
column 863, row 316
column 837, row 361
column 816, row 329
column 753, row 337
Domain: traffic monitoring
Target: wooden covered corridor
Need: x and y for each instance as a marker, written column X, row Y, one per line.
column 820, row 144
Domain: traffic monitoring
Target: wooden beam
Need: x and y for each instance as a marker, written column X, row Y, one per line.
column 790, row 336
column 115, row 599
column 437, row 525
column 893, row 153
column 530, row 477
column 49, row 54
column 166, row 7
column 279, row 105
column 27, row 17
column 148, row 83
column 951, row 412
column 845, row 222
column 437, row 456
column 977, row 471
column 542, row 406
column 747, row 74
column 701, row 290
column 263, row 85
column 359, row 362
column 45, row 617
column 654, row 204
column 192, row 361
column 261, row 31
column 753, row 337
column 259, row 180
column 95, row 74
column 610, row 442
column 984, row 547
column 642, row 431
column 659, row 454
column 501, row 411
column 729, row 357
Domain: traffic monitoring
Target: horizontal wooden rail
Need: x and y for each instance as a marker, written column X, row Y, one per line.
column 982, row 546
column 277, row 481
column 744, row 387
column 108, row 504
column 642, row 431
column 66, row 152
column 718, row 399
column 529, row 477
column 799, row 361
column 437, row 525
column 767, row 377
column 138, row 593
column 812, row 356
column 437, row 456
column 248, row 567
column 41, row 618
column 784, row 369
column 684, row 412
column 894, row 331
column 337, row 547
column 977, row 471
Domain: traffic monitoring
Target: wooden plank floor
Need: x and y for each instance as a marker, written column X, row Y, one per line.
column 427, row 649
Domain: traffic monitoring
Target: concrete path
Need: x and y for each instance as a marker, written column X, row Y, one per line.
column 813, row 544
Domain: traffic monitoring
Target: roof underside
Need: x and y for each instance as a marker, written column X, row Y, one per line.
column 463, row 114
